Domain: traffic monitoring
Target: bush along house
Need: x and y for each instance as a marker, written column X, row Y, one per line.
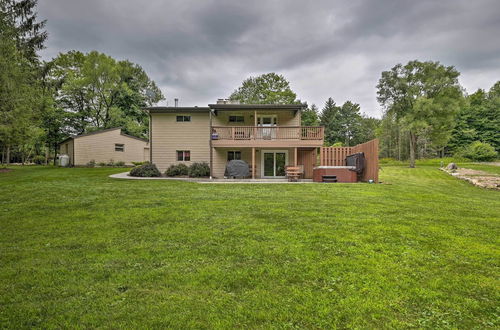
column 268, row 137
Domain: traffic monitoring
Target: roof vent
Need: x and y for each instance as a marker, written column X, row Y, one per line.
column 176, row 102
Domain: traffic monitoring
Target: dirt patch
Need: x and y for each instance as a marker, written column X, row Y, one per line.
column 5, row 170
column 476, row 177
column 490, row 163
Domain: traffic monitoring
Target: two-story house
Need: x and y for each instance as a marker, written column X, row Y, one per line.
column 267, row 136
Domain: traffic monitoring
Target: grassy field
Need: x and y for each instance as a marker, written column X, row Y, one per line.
column 80, row 249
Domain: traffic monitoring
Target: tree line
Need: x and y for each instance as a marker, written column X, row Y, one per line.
column 43, row 102
column 426, row 113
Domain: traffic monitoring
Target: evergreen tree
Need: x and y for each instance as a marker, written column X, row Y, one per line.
column 330, row 119
column 19, row 87
column 310, row 116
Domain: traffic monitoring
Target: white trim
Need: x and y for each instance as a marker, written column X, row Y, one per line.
column 263, row 116
column 262, row 152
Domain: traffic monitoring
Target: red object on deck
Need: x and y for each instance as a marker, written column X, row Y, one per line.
column 342, row 174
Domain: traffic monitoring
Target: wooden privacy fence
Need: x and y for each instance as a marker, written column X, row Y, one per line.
column 336, row 156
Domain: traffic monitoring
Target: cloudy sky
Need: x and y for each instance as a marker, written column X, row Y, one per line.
column 200, row 50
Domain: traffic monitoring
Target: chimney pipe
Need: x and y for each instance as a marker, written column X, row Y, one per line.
column 176, row 100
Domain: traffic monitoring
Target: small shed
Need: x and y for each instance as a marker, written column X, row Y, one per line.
column 104, row 146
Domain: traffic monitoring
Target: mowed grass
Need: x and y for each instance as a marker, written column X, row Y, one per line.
column 78, row 249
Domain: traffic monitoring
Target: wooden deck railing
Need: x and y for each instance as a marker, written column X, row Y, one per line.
column 267, row 133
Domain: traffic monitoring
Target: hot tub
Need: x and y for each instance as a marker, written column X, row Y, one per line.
column 335, row 174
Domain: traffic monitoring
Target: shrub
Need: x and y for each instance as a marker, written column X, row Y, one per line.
column 176, row 170
column 120, row 163
column 39, row 159
column 479, row 151
column 101, row 164
column 146, row 170
column 91, row 163
column 197, row 170
column 139, row 163
column 111, row 163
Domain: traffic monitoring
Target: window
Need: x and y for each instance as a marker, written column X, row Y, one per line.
column 236, row 119
column 183, row 118
column 183, row 155
column 119, row 147
column 233, row 155
column 270, row 120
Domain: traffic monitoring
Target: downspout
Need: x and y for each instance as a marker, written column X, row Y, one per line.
column 210, row 143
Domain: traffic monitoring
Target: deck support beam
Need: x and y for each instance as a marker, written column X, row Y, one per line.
column 210, row 145
column 253, row 163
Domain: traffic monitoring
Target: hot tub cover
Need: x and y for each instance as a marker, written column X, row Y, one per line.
column 237, row 169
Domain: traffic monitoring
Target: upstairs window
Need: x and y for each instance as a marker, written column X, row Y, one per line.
column 233, row 155
column 119, row 147
column 183, row 155
column 236, row 119
column 181, row 119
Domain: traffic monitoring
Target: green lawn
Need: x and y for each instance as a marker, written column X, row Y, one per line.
column 80, row 249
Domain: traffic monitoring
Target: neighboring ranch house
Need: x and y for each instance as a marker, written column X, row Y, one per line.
column 104, row 146
column 267, row 136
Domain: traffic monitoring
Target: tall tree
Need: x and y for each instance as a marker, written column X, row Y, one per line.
column 28, row 32
column 96, row 91
column 310, row 116
column 345, row 125
column 478, row 120
column 269, row 88
column 330, row 119
column 424, row 97
column 368, row 127
column 350, row 122
column 19, row 88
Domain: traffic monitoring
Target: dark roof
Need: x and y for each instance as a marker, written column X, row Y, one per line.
column 257, row 106
column 233, row 107
column 176, row 109
column 102, row 131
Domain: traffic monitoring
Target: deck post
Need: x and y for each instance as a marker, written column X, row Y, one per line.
column 295, row 157
column 255, row 125
column 253, row 163
column 210, row 145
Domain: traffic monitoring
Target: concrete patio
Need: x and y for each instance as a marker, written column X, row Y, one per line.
column 125, row 176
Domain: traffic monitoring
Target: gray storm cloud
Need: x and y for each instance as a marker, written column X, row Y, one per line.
column 199, row 51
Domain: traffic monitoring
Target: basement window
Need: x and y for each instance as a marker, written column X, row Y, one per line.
column 119, row 147
column 233, row 155
column 181, row 119
column 183, row 155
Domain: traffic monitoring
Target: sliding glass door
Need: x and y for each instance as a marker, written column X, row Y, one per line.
column 273, row 163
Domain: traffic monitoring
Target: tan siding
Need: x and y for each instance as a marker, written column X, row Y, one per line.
column 285, row 118
column 220, row 159
column 100, row 147
column 168, row 136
